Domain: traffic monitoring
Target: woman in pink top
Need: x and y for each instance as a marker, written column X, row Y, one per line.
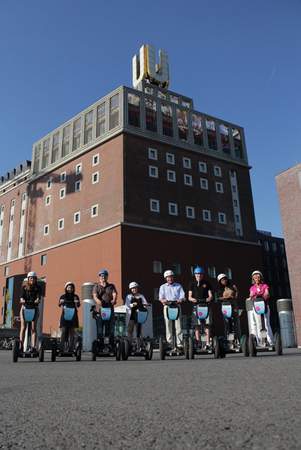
column 260, row 289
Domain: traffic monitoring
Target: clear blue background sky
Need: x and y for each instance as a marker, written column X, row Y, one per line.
column 239, row 60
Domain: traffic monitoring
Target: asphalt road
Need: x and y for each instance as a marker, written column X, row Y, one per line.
column 235, row 403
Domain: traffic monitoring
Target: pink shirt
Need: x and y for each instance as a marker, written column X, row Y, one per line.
column 258, row 290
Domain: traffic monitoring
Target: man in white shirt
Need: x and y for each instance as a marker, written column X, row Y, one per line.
column 172, row 292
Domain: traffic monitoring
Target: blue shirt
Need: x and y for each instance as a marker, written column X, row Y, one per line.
column 171, row 292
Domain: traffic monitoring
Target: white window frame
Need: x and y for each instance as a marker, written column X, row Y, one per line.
column 47, row 200
column 206, row 184
column 78, row 169
column 172, row 160
column 61, row 227
column 97, row 177
column 62, row 191
column 186, row 162
column 171, row 176
column 217, row 171
column 172, row 205
column 153, row 154
column 46, row 230
column 63, row 177
column 157, row 267
column 188, row 210
column 95, row 159
column 77, row 186
column 202, row 167
column 188, row 177
column 156, row 172
column 219, row 187
column 222, row 218
column 74, row 217
column 206, row 212
column 92, row 207
column 152, row 202
column 49, row 185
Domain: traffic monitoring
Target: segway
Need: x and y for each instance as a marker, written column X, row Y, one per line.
column 67, row 346
column 260, row 308
column 104, row 345
column 27, row 351
column 233, row 341
column 166, row 349
column 200, row 347
column 138, row 346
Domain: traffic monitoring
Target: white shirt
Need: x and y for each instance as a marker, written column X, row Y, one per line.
column 171, row 292
column 129, row 299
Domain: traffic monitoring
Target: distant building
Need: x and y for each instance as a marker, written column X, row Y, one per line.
column 289, row 191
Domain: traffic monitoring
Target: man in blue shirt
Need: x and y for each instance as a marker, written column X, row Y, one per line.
column 171, row 292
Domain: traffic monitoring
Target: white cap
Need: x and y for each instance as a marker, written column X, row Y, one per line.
column 68, row 283
column 168, row 273
column 221, row 276
column 31, row 274
column 133, row 284
column 257, row 272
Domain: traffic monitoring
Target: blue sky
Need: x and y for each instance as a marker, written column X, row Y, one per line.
column 239, row 60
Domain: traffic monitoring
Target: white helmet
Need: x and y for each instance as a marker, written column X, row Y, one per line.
column 221, row 276
column 133, row 284
column 32, row 274
column 257, row 272
column 168, row 273
column 69, row 283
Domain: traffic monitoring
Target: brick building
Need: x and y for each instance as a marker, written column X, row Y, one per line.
column 138, row 182
column 289, row 192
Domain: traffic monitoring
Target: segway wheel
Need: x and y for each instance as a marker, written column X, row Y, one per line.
column 125, row 349
column 244, row 345
column 190, row 348
column 149, row 351
column 216, row 347
column 53, row 354
column 161, row 349
column 117, row 351
column 94, row 350
column 78, row 354
column 41, row 353
column 252, row 345
column 278, row 344
column 15, row 350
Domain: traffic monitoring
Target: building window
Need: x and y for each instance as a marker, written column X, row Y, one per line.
column 60, row 224
column 170, row 158
column 77, row 186
column 228, row 272
column 190, row 212
column 150, row 114
column 13, row 202
column 152, row 154
column 211, row 134
column 187, row 179
column 202, row 167
column 153, row 171
column 49, row 184
column 222, row 218
column 237, row 218
column 95, row 159
column 197, row 129
column 43, row 260
column 37, row 155
column 176, row 267
column 88, row 127
column 62, row 193
column 237, row 143
column 114, row 111
column 46, row 230
column 66, row 140
column 23, row 198
column 45, row 154
column 172, row 209
column 47, row 200
column 212, row 272
column 76, row 218
column 217, row 171
column 187, row 163
column 22, row 214
column 225, row 140
column 166, row 111
column 63, row 177
column 133, row 109
column 157, row 267
column 95, row 177
column 206, row 215
column 76, row 133
column 6, row 271
column 182, row 122
column 204, row 183
column 154, row 205
column 101, row 119
column 94, row 211
column 235, row 203
column 219, row 188
column 171, row 176
column 55, row 147
column 78, row 169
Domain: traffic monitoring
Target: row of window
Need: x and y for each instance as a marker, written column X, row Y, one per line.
column 170, row 158
column 190, row 213
column 77, row 188
column 76, row 219
column 176, row 267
